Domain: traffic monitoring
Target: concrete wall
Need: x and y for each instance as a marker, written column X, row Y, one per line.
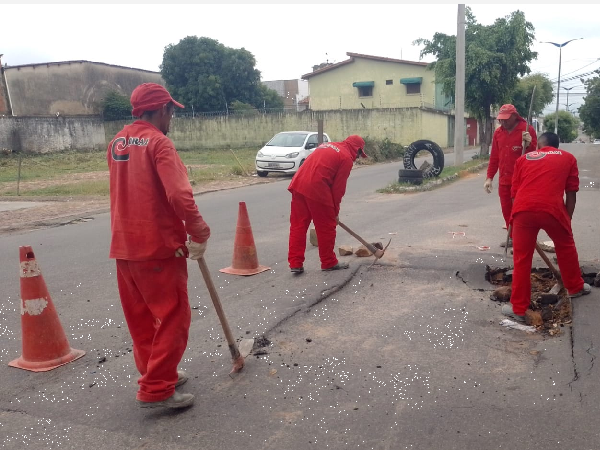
column 69, row 88
column 46, row 134
column 399, row 125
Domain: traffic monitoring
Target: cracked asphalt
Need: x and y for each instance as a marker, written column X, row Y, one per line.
column 408, row 354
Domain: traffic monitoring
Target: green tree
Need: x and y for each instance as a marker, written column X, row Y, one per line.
column 521, row 97
column 589, row 112
column 567, row 125
column 270, row 99
column 116, row 106
column 243, row 108
column 495, row 56
column 210, row 76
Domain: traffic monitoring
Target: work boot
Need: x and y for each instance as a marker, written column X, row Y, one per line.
column 176, row 401
column 507, row 310
column 181, row 378
column 503, row 243
column 584, row 291
column 338, row 266
column 297, row 269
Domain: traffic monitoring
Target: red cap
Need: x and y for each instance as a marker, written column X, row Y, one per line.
column 506, row 111
column 358, row 143
column 150, row 97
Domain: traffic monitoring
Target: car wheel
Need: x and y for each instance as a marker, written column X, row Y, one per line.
column 260, row 173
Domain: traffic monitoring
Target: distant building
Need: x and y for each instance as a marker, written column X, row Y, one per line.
column 66, row 88
column 291, row 91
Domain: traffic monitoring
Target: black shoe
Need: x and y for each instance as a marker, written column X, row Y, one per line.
column 338, row 266
column 297, row 269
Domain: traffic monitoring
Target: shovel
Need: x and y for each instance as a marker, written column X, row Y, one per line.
column 238, row 359
column 378, row 253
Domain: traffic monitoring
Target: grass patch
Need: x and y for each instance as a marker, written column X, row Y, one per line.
column 96, row 187
column 50, row 165
column 203, row 166
column 451, row 171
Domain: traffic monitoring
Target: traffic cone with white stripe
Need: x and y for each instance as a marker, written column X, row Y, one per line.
column 45, row 344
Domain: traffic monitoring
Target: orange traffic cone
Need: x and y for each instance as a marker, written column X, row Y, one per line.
column 45, row 345
column 245, row 259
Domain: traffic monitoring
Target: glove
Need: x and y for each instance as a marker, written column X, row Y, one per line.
column 337, row 219
column 526, row 138
column 179, row 253
column 196, row 249
column 487, row 186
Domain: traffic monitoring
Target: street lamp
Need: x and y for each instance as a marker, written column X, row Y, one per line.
column 568, row 89
column 560, row 46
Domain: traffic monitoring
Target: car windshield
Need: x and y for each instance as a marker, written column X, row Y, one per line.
column 287, row 140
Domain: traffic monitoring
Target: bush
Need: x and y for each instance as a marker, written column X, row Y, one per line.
column 116, row 106
column 382, row 150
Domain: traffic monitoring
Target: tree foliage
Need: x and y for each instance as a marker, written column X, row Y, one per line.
column 589, row 112
column 544, row 94
column 203, row 73
column 495, row 56
column 567, row 125
column 116, row 106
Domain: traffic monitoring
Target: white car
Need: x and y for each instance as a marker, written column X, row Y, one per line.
column 596, row 141
column 286, row 151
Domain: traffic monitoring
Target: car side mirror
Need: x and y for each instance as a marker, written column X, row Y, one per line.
column 310, row 145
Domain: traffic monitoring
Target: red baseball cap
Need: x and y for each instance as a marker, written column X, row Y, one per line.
column 506, row 111
column 150, row 97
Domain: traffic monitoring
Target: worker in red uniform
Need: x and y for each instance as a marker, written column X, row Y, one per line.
column 540, row 180
column 317, row 190
column 152, row 213
column 507, row 147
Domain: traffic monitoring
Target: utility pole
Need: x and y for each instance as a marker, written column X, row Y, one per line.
column 459, row 97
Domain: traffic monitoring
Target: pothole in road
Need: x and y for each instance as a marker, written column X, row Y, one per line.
column 551, row 310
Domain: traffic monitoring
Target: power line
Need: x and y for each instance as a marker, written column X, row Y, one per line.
column 573, row 71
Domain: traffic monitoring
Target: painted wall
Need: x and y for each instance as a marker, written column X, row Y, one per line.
column 399, row 125
column 69, row 88
column 52, row 134
column 333, row 89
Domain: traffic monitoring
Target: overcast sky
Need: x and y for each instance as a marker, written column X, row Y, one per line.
column 286, row 39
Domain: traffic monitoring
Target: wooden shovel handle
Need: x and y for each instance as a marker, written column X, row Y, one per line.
column 217, row 303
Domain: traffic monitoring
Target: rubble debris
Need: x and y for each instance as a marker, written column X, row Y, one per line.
column 517, row 326
column 533, row 318
column 501, row 294
column 345, row 250
column 362, row 251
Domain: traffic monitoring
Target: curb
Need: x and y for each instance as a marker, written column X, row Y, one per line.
column 436, row 183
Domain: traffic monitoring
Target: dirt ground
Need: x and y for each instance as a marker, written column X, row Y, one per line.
column 61, row 210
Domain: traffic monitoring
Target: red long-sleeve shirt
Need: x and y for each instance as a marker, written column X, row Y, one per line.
column 507, row 147
column 540, row 180
column 324, row 174
column 152, row 206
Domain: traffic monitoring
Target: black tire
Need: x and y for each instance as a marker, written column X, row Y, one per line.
column 431, row 147
column 260, row 173
column 412, row 176
column 410, row 180
column 410, row 173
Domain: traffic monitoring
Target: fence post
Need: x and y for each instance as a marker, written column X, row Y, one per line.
column 19, row 173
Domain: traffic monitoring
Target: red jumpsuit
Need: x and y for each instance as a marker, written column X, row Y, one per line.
column 150, row 199
column 507, row 147
column 317, row 190
column 539, row 183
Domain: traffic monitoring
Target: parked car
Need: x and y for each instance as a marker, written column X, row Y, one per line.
column 286, row 152
column 596, row 141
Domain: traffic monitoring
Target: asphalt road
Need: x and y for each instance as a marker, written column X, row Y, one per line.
column 411, row 323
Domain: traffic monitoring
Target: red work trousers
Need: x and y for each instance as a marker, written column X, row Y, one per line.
column 303, row 211
column 526, row 225
column 156, row 307
column 505, row 201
